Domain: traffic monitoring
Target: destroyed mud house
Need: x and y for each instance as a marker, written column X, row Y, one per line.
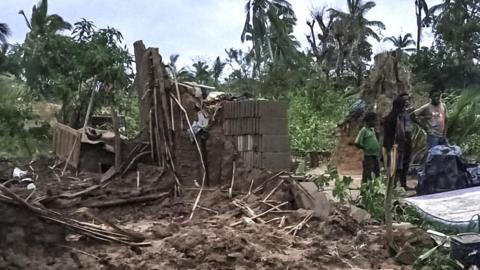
column 204, row 185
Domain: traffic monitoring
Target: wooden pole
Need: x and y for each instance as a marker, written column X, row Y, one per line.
column 89, row 108
column 118, row 153
column 391, row 174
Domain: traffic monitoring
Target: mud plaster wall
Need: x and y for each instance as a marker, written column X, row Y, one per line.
column 218, row 151
column 25, row 238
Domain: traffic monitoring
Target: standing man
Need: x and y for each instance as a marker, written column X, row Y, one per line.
column 432, row 118
column 394, row 140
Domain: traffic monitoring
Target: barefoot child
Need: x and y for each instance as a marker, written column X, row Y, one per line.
column 368, row 142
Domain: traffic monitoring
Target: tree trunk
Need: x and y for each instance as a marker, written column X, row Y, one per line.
column 313, row 41
column 89, row 108
column 418, row 12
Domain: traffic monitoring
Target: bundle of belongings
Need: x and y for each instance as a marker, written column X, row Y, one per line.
column 445, row 169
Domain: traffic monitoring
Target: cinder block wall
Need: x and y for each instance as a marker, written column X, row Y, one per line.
column 259, row 131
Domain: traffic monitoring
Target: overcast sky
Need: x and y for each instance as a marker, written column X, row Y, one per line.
column 196, row 28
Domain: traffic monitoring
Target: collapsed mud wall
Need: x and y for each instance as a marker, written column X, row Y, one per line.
column 164, row 124
column 169, row 107
column 27, row 242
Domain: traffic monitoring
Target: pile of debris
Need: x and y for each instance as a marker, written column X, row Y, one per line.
column 270, row 223
column 190, row 191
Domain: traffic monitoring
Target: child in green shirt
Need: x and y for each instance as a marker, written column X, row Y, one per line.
column 368, row 142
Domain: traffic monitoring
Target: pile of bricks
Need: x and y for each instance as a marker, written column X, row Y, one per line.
column 259, row 130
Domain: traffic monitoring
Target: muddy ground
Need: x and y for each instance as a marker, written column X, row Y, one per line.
column 209, row 240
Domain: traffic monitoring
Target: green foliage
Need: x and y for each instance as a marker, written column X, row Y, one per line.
column 309, row 131
column 439, row 64
column 341, row 188
column 128, row 106
column 314, row 111
column 16, row 142
column 66, row 69
column 436, row 258
column 372, row 197
column 340, row 184
column 454, row 57
column 471, row 146
column 406, row 213
column 323, row 180
column 464, row 116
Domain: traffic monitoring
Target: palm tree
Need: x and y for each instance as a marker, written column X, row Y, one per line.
column 42, row 23
column 217, row 69
column 402, row 43
column 420, row 5
column 38, row 60
column 282, row 43
column 352, row 30
column 4, row 33
column 258, row 23
column 200, row 72
column 355, row 17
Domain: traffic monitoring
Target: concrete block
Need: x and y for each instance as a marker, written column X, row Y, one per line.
column 274, row 126
column 316, row 201
column 275, row 143
column 275, row 109
column 358, row 214
column 275, row 161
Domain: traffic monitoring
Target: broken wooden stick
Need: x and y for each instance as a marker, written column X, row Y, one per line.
column 273, row 190
column 206, row 209
column 70, row 155
column 151, row 133
column 81, row 252
column 266, row 181
column 300, row 225
column 115, row 202
column 250, row 189
column 282, row 222
column 157, row 128
column 137, row 237
column 271, row 205
column 230, row 190
column 138, row 179
column 273, row 219
column 259, row 215
column 29, row 195
column 74, row 225
column 246, row 209
column 137, row 157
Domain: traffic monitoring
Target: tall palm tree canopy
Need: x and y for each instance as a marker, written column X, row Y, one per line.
column 42, row 23
column 269, row 26
column 402, row 43
column 355, row 18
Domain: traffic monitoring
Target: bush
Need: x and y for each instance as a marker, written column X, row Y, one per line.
column 372, row 197
column 313, row 114
column 16, row 142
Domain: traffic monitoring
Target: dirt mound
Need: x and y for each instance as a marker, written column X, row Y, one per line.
column 27, row 242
